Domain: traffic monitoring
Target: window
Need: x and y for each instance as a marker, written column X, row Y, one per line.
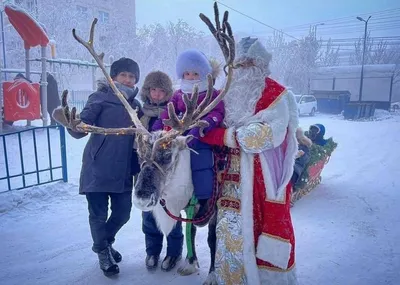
column 31, row 5
column 104, row 17
column 82, row 11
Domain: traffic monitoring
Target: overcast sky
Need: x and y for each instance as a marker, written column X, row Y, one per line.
column 282, row 14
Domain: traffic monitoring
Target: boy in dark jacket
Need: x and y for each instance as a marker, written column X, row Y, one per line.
column 155, row 94
column 107, row 168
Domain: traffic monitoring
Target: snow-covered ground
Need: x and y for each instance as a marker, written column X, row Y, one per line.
column 347, row 230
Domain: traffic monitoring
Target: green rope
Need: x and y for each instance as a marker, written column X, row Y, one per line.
column 190, row 214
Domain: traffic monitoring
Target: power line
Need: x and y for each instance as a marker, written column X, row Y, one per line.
column 375, row 23
column 388, row 38
column 339, row 27
column 258, row 21
column 348, row 18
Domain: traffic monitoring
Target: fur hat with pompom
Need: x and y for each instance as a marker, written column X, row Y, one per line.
column 193, row 60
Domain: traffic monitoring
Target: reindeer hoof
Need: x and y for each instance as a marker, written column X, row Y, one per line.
column 211, row 279
column 188, row 268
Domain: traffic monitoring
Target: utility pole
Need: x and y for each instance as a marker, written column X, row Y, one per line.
column 363, row 55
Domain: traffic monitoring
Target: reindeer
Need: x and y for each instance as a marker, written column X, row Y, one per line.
column 164, row 184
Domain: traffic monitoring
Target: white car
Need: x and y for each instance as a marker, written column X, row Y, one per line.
column 306, row 104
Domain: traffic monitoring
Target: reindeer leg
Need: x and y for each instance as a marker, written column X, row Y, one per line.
column 191, row 265
column 212, row 243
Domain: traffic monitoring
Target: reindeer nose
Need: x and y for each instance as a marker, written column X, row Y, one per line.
column 142, row 193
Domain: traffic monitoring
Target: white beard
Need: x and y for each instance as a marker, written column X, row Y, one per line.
column 245, row 91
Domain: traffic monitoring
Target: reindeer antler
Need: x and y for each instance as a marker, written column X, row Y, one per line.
column 194, row 113
column 70, row 119
column 79, row 126
column 225, row 40
column 99, row 59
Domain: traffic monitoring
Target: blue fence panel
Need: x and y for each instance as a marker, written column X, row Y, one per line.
column 78, row 99
column 33, row 156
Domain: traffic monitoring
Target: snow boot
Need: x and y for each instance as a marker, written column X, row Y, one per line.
column 116, row 255
column 151, row 262
column 169, row 263
column 107, row 262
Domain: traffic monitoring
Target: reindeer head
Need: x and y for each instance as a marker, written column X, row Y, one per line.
column 160, row 152
column 160, row 159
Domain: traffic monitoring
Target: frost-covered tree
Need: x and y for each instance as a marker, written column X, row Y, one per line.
column 293, row 61
column 329, row 56
column 157, row 46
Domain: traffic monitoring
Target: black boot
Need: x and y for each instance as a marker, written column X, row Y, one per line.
column 107, row 262
column 116, row 255
column 152, row 262
column 170, row 262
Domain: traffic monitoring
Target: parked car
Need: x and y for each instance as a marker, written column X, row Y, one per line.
column 306, row 104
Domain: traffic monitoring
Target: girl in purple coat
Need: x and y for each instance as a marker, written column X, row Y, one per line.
column 192, row 68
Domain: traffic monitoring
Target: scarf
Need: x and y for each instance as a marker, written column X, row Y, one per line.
column 128, row 92
column 151, row 111
column 187, row 85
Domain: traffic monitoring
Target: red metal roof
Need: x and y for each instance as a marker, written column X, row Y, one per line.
column 27, row 27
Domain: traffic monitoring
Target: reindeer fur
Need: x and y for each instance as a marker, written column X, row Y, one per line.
column 177, row 193
column 176, row 188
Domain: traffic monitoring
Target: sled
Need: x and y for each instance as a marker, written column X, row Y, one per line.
column 314, row 179
column 311, row 176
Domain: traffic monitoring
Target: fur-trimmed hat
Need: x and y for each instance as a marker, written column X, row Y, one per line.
column 254, row 49
column 193, row 60
column 125, row 65
column 156, row 79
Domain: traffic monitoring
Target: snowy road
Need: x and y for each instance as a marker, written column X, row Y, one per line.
column 347, row 230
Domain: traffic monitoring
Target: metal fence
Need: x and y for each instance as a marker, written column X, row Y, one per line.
column 78, row 99
column 33, row 156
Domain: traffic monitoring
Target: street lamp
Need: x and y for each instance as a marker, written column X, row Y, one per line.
column 363, row 56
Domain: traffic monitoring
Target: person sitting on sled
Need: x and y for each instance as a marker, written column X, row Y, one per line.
column 302, row 157
column 316, row 134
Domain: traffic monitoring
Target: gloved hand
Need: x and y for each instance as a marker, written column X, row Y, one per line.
column 196, row 131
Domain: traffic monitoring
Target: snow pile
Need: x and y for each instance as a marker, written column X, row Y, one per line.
column 32, row 198
column 382, row 115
